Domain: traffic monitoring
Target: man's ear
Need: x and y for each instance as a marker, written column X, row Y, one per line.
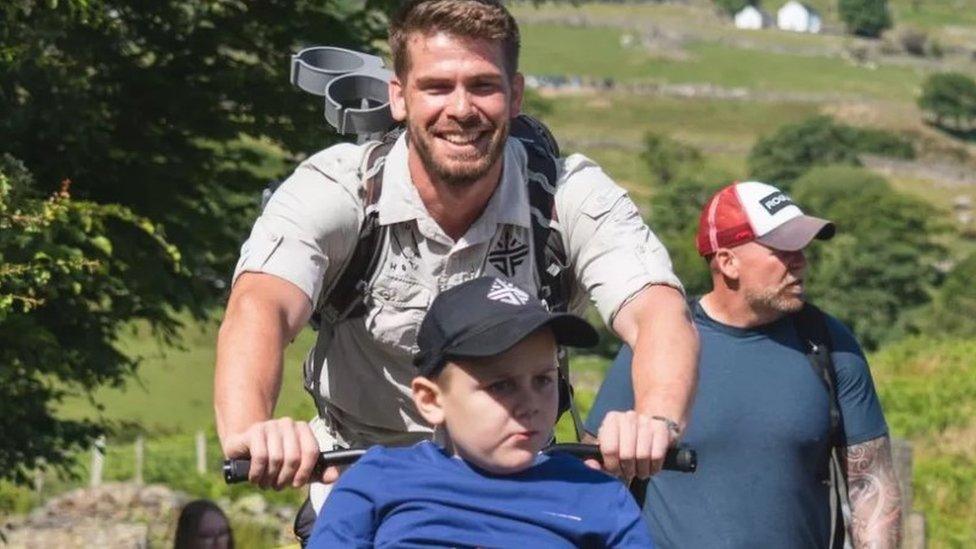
column 427, row 399
column 518, row 93
column 398, row 103
column 727, row 263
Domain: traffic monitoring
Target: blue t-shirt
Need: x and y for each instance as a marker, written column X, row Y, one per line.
column 760, row 424
column 421, row 497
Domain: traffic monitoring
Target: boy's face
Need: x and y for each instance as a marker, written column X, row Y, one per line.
column 499, row 411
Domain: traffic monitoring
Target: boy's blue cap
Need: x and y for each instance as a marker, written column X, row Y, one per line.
column 485, row 317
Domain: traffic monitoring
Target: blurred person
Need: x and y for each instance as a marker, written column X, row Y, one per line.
column 786, row 417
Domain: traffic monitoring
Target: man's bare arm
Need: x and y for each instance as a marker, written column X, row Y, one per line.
column 874, row 493
column 263, row 314
column 657, row 325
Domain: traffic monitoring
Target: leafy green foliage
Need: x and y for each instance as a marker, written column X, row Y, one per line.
column 882, row 262
column 667, row 158
column 865, row 17
column 953, row 308
column 928, row 391
column 780, row 158
column 145, row 106
column 71, row 273
column 949, row 100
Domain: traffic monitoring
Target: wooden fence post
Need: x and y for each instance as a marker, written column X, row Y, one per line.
column 97, row 461
column 140, row 451
column 201, row 453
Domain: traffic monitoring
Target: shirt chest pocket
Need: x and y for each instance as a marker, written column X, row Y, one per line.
column 397, row 307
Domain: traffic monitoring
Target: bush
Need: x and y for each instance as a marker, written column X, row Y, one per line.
column 667, row 158
column 72, row 273
column 949, row 100
column 913, row 41
column 865, row 17
column 780, row 158
column 953, row 308
column 881, row 264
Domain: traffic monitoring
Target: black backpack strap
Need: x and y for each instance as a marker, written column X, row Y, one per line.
column 344, row 298
column 555, row 278
column 811, row 327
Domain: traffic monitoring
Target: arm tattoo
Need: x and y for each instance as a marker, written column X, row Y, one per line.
column 874, row 494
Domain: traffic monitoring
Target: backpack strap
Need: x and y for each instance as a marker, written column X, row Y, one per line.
column 344, row 299
column 555, row 280
column 811, row 327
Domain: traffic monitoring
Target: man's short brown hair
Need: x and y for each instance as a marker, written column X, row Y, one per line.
column 484, row 19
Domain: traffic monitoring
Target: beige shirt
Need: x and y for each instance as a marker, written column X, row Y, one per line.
column 310, row 227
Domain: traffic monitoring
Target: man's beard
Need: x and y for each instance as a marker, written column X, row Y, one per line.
column 458, row 171
column 778, row 299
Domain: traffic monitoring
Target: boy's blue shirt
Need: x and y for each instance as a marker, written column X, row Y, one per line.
column 421, row 497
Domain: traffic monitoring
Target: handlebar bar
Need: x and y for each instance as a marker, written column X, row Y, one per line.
column 684, row 460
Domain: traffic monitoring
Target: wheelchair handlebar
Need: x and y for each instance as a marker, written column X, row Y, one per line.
column 684, row 460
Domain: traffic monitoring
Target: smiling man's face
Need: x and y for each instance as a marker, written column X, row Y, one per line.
column 457, row 98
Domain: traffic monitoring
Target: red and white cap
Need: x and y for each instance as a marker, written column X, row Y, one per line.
column 743, row 212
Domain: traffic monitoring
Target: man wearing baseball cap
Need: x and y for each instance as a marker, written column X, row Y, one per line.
column 786, row 418
column 487, row 383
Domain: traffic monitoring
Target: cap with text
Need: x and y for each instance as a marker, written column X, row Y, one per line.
column 486, row 317
column 753, row 211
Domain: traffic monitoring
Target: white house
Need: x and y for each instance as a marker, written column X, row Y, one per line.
column 798, row 17
column 753, row 18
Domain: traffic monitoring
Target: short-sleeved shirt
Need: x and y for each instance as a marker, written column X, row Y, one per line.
column 760, row 425
column 311, row 225
column 421, row 497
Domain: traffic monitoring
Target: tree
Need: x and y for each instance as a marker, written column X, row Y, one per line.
column 865, row 17
column 882, row 263
column 949, row 100
column 71, row 274
column 779, row 159
column 791, row 150
column 666, row 157
column 180, row 109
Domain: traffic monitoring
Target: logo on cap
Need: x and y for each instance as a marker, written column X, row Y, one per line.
column 776, row 202
column 507, row 292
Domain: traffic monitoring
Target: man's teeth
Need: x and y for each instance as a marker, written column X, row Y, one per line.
column 462, row 139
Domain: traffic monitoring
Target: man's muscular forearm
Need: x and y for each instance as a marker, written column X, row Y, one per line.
column 874, row 493
column 263, row 314
column 665, row 344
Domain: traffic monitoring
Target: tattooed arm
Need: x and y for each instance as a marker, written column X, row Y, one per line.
column 874, row 494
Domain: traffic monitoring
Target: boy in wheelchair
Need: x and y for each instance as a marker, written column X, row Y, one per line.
column 488, row 380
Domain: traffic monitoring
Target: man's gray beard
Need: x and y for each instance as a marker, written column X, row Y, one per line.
column 772, row 299
column 460, row 177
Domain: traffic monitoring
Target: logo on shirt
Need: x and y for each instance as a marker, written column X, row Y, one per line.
column 506, row 292
column 776, row 202
column 508, row 254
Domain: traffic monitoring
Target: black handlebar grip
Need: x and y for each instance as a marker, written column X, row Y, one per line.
column 237, row 470
column 683, row 460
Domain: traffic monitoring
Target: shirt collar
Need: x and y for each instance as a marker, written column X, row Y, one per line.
column 400, row 201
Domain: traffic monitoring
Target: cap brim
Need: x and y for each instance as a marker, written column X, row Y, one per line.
column 797, row 233
column 568, row 329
